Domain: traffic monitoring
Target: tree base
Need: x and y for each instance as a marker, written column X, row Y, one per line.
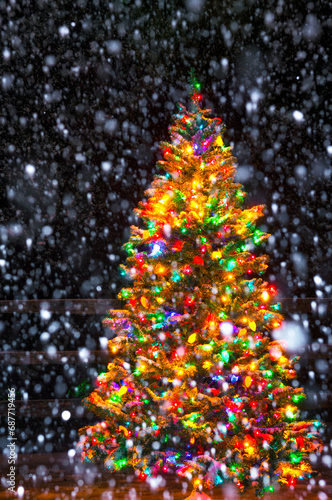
column 198, row 496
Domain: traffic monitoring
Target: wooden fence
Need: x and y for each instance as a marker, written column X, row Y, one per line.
column 54, row 407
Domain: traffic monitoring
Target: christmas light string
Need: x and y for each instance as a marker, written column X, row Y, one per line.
column 195, row 384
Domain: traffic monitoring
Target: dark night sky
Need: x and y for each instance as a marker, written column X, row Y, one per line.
column 88, row 90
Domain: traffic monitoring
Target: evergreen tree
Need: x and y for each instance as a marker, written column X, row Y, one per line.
column 195, row 384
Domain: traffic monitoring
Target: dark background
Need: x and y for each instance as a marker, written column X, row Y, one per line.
column 87, row 93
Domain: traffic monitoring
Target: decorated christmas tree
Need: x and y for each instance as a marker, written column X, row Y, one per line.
column 195, row 385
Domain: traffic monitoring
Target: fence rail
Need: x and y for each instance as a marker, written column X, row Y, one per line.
column 101, row 306
column 60, row 306
column 55, row 407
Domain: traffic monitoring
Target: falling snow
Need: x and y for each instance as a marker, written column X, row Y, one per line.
column 87, row 92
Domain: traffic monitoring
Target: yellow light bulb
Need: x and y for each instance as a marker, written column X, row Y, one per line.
column 219, row 141
column 252, row 325
column 207, row 365
column 123, row 390
column 216, row 255
column 160, row 270
column 265, row 296
column 192, row 338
